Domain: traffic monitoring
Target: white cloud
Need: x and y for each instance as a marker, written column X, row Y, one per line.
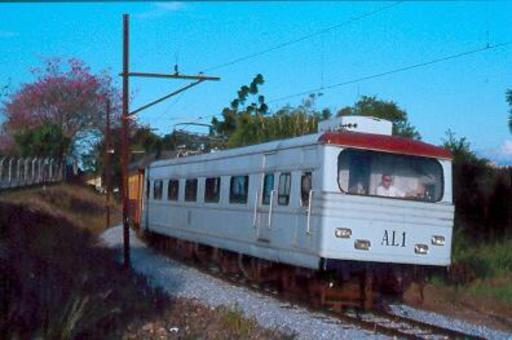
column 506, row 148
column 8, row 34
column 161, row 9
column 501, row 155
column 170, row 6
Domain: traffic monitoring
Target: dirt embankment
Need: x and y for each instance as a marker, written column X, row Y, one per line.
column 56, row 282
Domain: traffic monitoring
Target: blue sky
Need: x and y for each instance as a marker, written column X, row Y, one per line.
column 464, row 94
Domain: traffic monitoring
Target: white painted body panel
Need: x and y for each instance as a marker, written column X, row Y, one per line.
column 244, row 228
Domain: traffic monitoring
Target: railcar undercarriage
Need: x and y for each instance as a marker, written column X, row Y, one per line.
column 339, row 285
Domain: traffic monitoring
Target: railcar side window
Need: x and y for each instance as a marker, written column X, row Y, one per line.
column 372, row 173
column 268, row 186
column 173, row 189
column 212, row 190
column 157, row 189
column 148, row 188
column 191, row 190
column 285, row 184
column 305, row 187
column 238, row 189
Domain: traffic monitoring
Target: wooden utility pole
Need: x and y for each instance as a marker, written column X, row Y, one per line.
column 106, row 165
column 126, row 114
column 124, row 143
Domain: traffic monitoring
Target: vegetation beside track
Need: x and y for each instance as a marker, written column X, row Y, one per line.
column 478, row 287
column 58, row 283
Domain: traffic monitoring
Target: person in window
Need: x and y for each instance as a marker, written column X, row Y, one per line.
column 387, row 189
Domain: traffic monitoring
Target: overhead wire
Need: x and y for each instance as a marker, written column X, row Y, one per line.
column 393, row 71
column 302, row 38
column 386, row 73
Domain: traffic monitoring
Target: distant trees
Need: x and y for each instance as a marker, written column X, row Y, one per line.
column 143, row 140
column 481, row 193
column 65, row 101
column 374, row 107
column 248, row 121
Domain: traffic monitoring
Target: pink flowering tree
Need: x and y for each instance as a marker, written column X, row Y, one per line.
column 67, row 95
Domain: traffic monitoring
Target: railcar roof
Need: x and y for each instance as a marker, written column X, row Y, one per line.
column 393, row 144
column 359, row 140
column 257, row 148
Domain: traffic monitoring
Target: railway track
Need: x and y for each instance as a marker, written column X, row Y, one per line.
column 378, row 319
column 394, row 325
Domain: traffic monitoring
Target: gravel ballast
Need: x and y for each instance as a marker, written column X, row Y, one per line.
column 447, row 322
column 180, row 280
column 183, row 281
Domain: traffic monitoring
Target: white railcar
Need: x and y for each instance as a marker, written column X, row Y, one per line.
column 315, row 201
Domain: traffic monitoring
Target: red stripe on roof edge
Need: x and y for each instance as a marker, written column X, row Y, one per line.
column 393, row 144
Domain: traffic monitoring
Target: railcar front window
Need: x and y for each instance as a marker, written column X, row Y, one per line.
column 191, row 190
column 157, row 189
column 374, row 173
column 212, row 190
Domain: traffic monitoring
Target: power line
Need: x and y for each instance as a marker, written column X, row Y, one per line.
column 397, row 70
column 305, row 37
column 382, row 74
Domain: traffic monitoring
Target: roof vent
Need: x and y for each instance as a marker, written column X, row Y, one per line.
column 357, row 124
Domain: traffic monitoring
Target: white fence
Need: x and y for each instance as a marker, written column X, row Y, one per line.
column 21, row 172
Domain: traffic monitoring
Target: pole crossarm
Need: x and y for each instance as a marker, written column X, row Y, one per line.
column 193, row 123
column 125, row 142
column 172, row 76
column 154, row 102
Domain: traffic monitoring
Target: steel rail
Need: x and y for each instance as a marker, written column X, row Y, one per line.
column 378, row 319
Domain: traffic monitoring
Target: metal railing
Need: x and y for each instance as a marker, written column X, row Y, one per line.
column 22, row 172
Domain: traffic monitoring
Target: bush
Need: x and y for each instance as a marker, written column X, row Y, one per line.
column 481, row 261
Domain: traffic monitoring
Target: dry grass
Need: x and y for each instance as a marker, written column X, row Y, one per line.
column 77, row 204
column 56, row 283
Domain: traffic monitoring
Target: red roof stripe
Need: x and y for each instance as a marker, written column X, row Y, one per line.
column 399, row 145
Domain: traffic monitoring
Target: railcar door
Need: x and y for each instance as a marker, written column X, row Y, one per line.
column 303, row 230
column 264, row 209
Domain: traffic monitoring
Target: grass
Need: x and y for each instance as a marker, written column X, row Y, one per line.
column 480, row 276
column 78, row 204
column 498, row 289
column 487, row 260
column 60, row 284
column 57, row 283
column 232, row 319
column 490, row 266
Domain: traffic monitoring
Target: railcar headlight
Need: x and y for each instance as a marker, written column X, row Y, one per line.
column 362, row 244
column 421, row 249
column 343, row 232
column 438, row 240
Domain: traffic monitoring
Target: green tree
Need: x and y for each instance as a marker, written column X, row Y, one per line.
column 286, row 122
column 471, row 181
column 389, row 110
column 248, row 121
column 240, row 108
column 47, row 139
